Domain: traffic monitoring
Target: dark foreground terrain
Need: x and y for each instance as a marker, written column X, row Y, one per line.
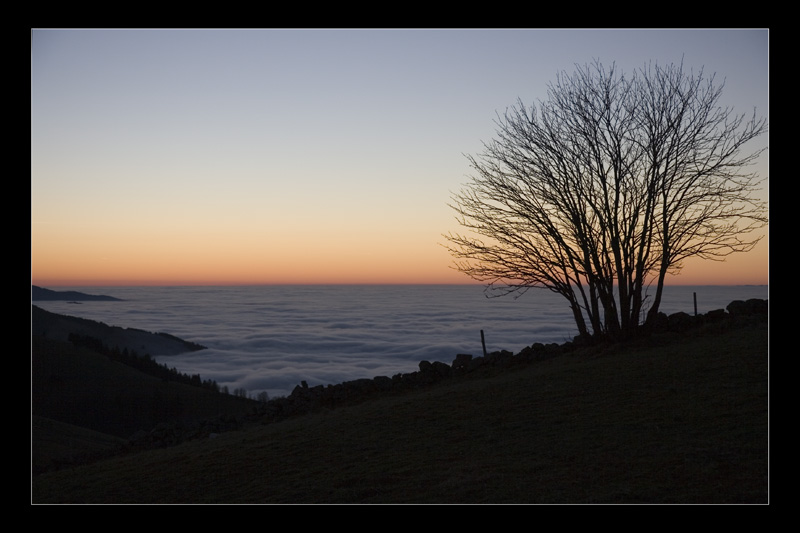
column 678, row 418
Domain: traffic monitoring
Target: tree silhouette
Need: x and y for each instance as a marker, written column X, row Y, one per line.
column 605, row 187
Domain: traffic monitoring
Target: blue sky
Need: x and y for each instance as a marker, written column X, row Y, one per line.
column 256, row 154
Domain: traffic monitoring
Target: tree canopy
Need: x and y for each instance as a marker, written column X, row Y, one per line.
column 606, row 186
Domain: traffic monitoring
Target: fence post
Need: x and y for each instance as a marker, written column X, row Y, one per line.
column 483, row 342
column 695, row 303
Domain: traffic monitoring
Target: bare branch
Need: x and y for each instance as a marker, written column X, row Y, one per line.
column 599, row 191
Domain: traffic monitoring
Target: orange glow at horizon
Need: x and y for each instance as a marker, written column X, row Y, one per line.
column 344, row 252
column 228, row 262
column 158, row 265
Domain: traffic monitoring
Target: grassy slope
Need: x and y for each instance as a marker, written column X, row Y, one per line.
column 682, row 421
column 60, row 444
column 83, row 404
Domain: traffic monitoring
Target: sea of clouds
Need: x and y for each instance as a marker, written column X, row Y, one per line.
column 270, row 338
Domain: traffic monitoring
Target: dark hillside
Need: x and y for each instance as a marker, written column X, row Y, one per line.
column 59, row 327
column 40, row 293
column 85, row 396
column 81, row 387
column 678, row 418
column 58, row 445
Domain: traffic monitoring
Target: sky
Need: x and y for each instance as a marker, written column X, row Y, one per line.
column 274, row 156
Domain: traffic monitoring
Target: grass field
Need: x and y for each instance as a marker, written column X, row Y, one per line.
column 683, row 420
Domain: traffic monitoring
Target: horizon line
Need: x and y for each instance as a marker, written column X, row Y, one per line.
column 361, row 284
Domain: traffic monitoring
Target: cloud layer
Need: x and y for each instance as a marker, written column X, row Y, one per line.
column 270, row 338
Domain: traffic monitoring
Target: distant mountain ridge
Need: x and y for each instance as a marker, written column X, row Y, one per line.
column 59, row 327
column 42, row 294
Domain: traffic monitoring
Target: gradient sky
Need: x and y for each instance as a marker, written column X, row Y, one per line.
column 189, row 157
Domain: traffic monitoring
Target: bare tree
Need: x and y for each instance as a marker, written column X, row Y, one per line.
column 604, row 188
